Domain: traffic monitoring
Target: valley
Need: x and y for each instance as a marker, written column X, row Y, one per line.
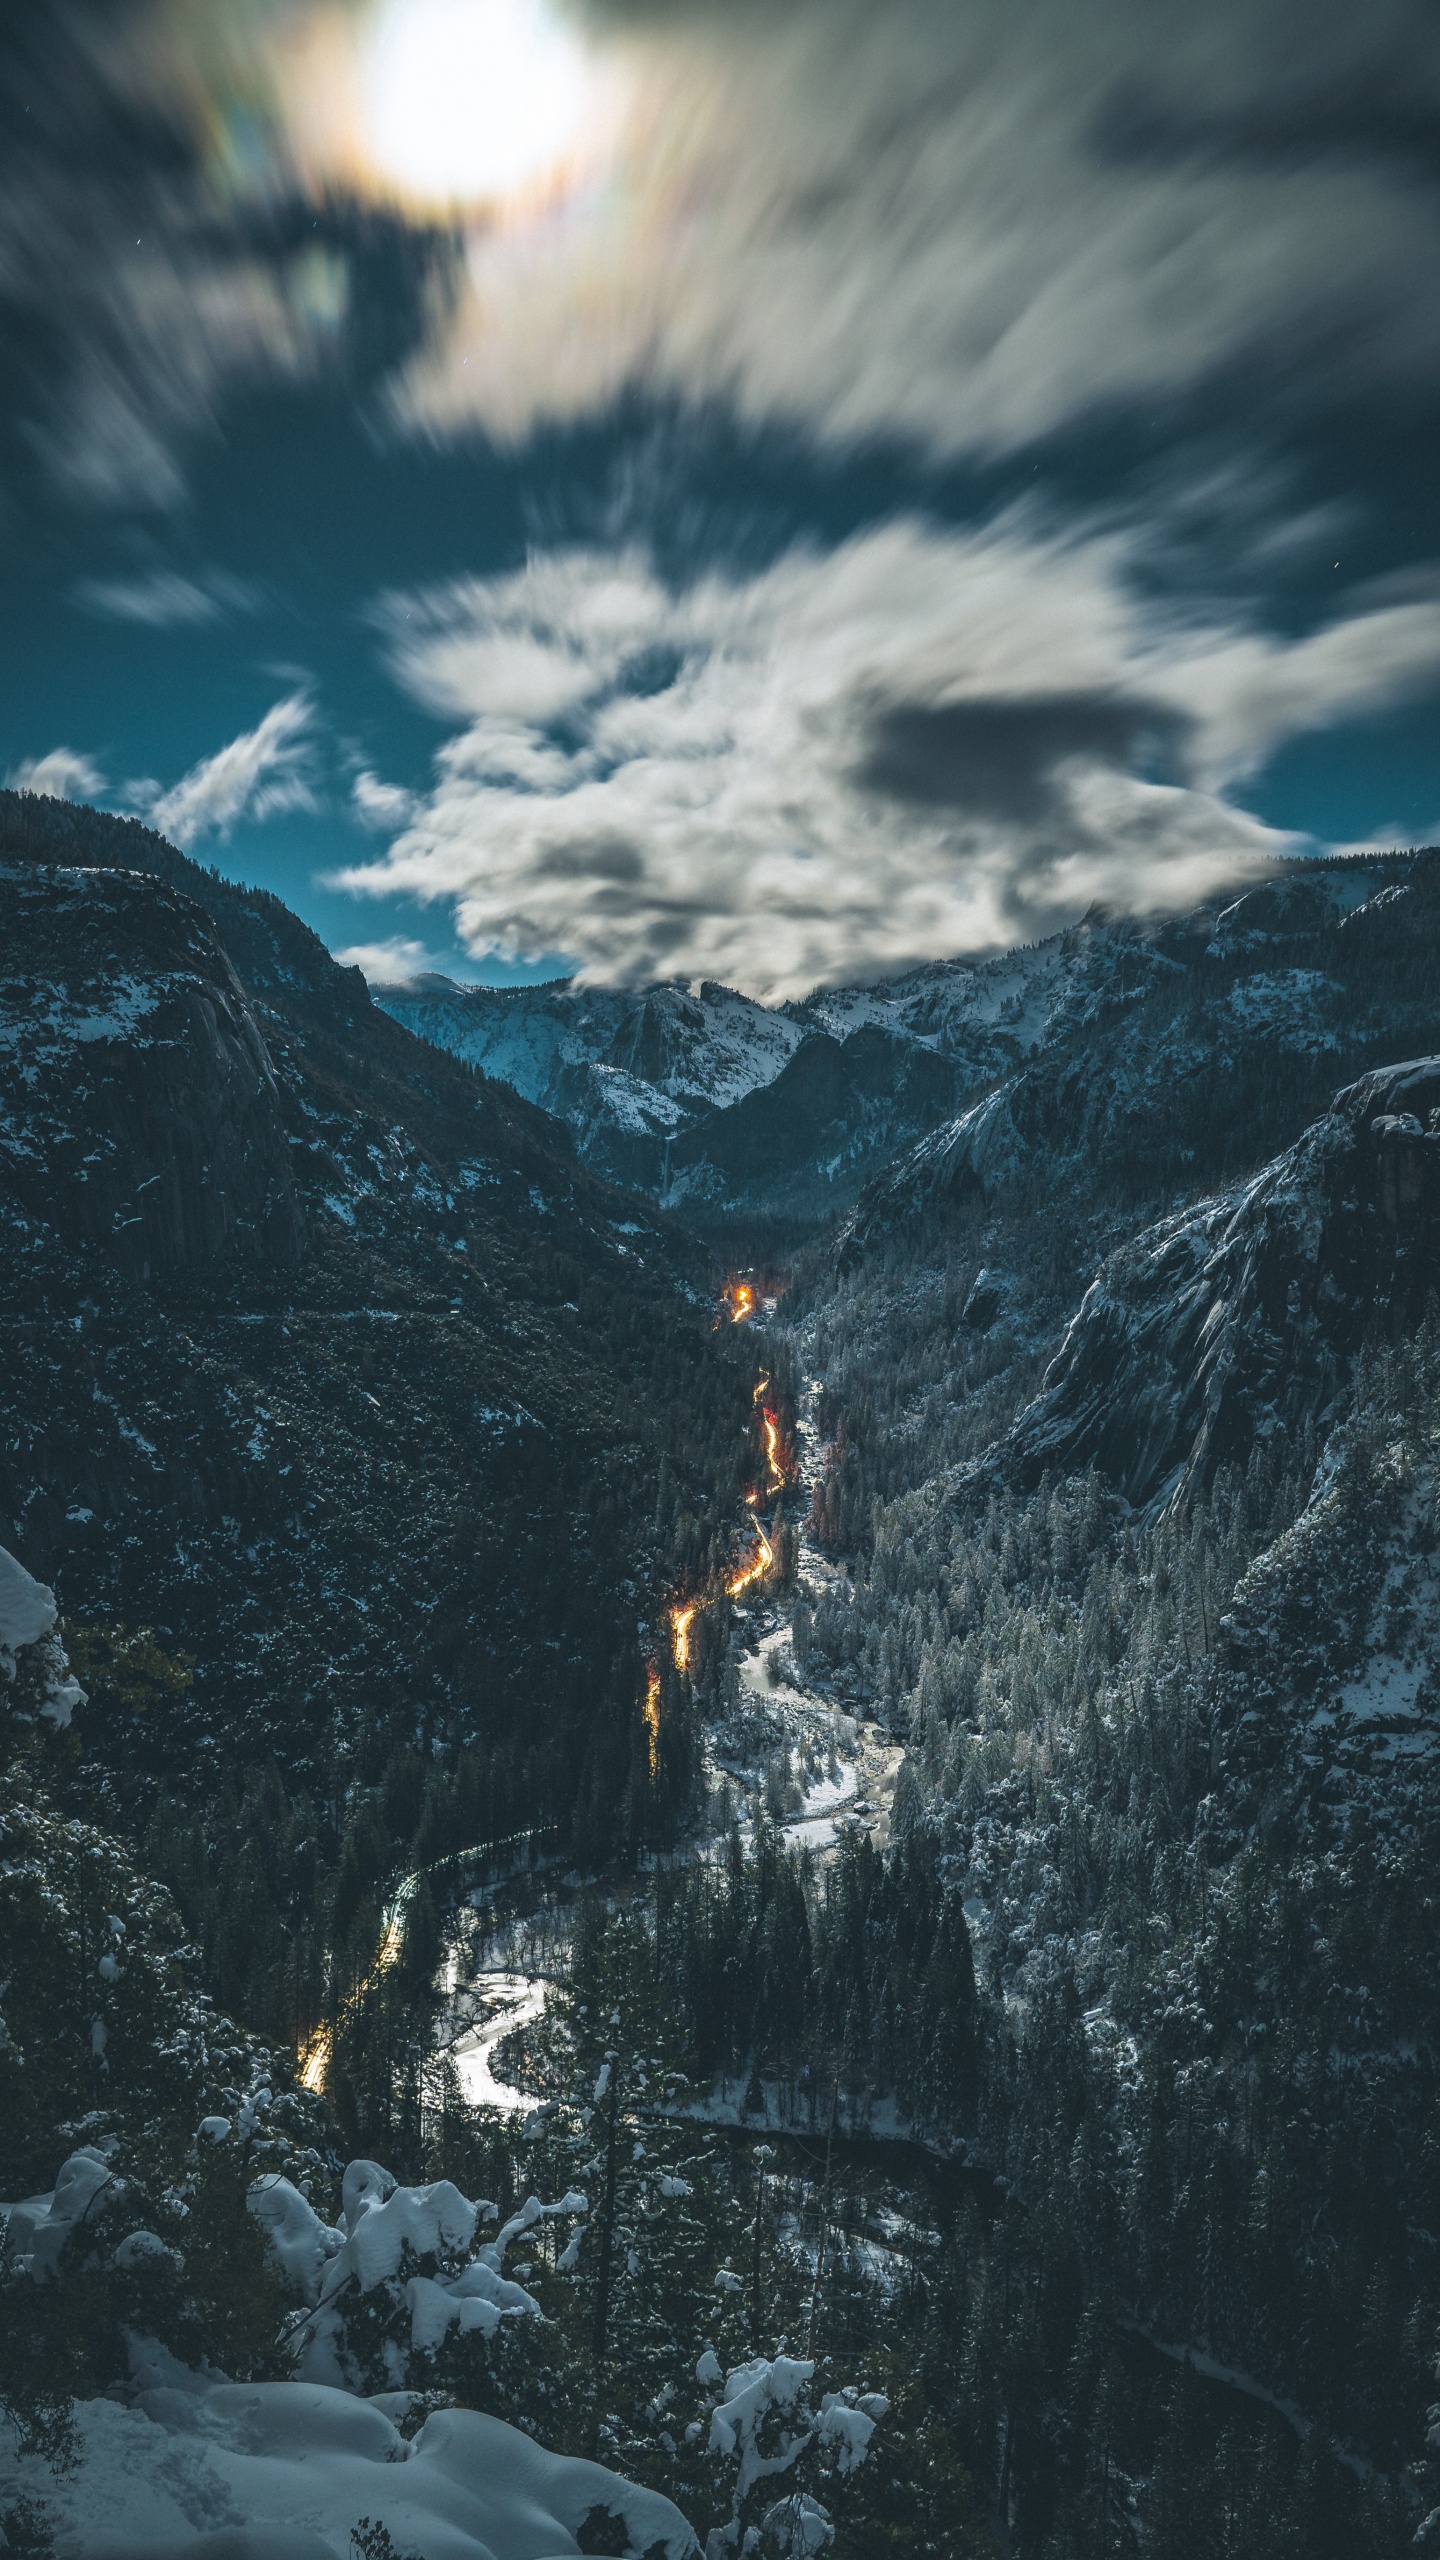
column 878, row 1739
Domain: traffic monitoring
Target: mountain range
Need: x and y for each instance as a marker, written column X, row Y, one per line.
column 720, row 1107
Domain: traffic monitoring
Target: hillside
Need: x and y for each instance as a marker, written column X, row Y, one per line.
column 329, row 1366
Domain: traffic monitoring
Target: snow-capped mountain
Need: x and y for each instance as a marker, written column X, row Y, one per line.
column 718, row 1104
column 1172, row 1059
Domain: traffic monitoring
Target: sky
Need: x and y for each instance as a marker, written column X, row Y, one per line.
column 768, row 493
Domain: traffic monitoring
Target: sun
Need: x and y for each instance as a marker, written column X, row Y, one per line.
column 473, row 101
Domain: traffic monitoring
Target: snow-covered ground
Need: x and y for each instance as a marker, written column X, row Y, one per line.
column 502, row 2002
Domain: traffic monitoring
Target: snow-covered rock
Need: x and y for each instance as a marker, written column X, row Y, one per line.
column 285, row 2471
column 35, row 1678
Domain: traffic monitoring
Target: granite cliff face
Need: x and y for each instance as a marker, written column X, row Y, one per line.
column 1244, row 1312
column 139, row 1106
column 1200, row 1058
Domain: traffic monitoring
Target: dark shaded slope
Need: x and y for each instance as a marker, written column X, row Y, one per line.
column 1242, row 1314
column 833, row 1108
column 325, row 1360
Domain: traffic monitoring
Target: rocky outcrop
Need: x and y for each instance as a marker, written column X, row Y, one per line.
column 1243, row 1313
column 139, row 1115
column 972, row 1158
column 834, row 1108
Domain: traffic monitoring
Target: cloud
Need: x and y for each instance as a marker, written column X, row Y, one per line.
column 976, row 226
column 62, row 775
column 167, row 600
column 381, row 805
column 392, row 963
column 258, row 775
column 968, row 227
column 919, row 742
column 142, row 275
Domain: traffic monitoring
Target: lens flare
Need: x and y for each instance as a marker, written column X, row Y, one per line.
column 472, row 101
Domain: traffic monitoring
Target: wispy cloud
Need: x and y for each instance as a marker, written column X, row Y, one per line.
column 166, row 599
column 917, row 742
column 381, row 805
column 263, row 772
column 61, row 775
column 392, row 963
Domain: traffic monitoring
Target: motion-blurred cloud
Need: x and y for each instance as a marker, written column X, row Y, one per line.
column 917, row 742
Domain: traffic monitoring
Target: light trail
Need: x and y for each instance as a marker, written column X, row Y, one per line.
column 758, row 1566
column 652, row 1716
column 738, row 1300
column 681, row 1622
column 770, row 1426
column 318, row 2051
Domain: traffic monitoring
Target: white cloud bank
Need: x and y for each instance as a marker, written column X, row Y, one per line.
column 919, row 743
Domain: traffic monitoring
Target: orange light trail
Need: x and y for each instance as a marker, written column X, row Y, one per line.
column 738, row 1300
column 759, row 1564
column 770, row 1425
column 683, row 1613
column 652, row 1715
column 315, row 2059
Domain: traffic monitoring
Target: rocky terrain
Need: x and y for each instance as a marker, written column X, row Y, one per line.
column 1242, row 1315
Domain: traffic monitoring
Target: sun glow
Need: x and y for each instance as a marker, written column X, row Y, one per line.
column 473, row 101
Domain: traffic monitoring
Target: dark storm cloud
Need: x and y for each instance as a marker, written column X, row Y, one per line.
column 1000, row 758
